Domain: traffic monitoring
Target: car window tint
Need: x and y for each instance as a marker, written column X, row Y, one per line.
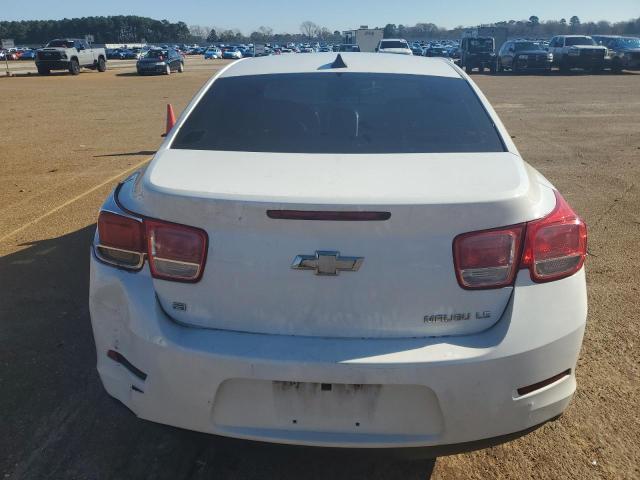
column 393, row 44
column 340, row 113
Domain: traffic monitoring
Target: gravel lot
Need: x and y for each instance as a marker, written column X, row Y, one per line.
column 66, row 140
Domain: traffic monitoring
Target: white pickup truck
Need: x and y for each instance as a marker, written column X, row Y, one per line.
column 70, row 54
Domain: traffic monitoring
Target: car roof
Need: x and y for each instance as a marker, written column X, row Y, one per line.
column 355, row 61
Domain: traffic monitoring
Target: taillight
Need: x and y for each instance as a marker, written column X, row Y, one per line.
column 556, row 245
column 487, row 259
column 176, row 252
column 121, row 240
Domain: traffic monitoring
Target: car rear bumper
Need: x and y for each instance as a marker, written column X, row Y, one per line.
column 453, row 392
column 151, row 69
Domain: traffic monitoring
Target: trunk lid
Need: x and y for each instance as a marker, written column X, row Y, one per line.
column 406, row 285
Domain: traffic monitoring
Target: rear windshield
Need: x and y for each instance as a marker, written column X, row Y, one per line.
column 521, row 46
column 393, row 44
column 61, row 43
column 157, row 53
column 481, row 45
column 339, row 113
column 579, row 41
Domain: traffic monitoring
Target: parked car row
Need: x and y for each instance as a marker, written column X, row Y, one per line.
column 126, row 53
column 18, row 53
column 565, row 52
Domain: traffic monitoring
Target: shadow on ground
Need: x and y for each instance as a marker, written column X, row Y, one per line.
column 58, row 422
column 128, row 154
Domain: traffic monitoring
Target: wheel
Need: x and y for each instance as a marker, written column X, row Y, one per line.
column 43, row 71
column 468, row 69
column 102, row 65
column 181, row 67
column 564, row 68
column 168, row 70
column 616, row 66
column 74, row 67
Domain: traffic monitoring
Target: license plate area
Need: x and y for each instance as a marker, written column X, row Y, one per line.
column 327, row 407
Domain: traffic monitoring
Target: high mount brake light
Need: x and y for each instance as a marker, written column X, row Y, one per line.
column 554, row 247
column 176, row 252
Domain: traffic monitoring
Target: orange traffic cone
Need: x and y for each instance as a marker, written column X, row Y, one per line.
column 171, row 119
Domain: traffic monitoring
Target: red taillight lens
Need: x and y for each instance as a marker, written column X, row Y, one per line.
column 487, row 259
column 120, row 232
column 556, row 245
column 176, row 252
column 121, row 240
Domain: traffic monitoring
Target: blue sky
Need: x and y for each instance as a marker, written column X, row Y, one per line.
column 286, row 15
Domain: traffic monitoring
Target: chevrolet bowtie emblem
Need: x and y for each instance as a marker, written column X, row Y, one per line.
column 327, row 263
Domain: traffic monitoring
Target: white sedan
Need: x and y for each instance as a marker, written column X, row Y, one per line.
column 340, row 251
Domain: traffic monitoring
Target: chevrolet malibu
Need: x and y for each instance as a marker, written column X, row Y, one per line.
column 340, row 251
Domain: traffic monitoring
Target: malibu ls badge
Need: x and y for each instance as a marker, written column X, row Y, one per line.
column 327, row 263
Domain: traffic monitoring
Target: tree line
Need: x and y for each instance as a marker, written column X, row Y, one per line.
column 531, row 28
column 114, row 29
column 130, row 29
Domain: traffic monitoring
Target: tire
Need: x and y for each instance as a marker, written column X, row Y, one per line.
column 616, row 66
column 43, row 71
column 181, row 68
column 102, row 65
column 468, row 69
column 168, row 70
column 74, row 67
column 564, row 68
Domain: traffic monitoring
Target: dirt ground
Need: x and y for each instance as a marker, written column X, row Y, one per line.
column 65, row 142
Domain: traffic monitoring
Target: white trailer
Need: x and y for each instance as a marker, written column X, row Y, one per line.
column 366, row 38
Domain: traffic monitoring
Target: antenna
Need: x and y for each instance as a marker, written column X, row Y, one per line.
column 338, row 62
